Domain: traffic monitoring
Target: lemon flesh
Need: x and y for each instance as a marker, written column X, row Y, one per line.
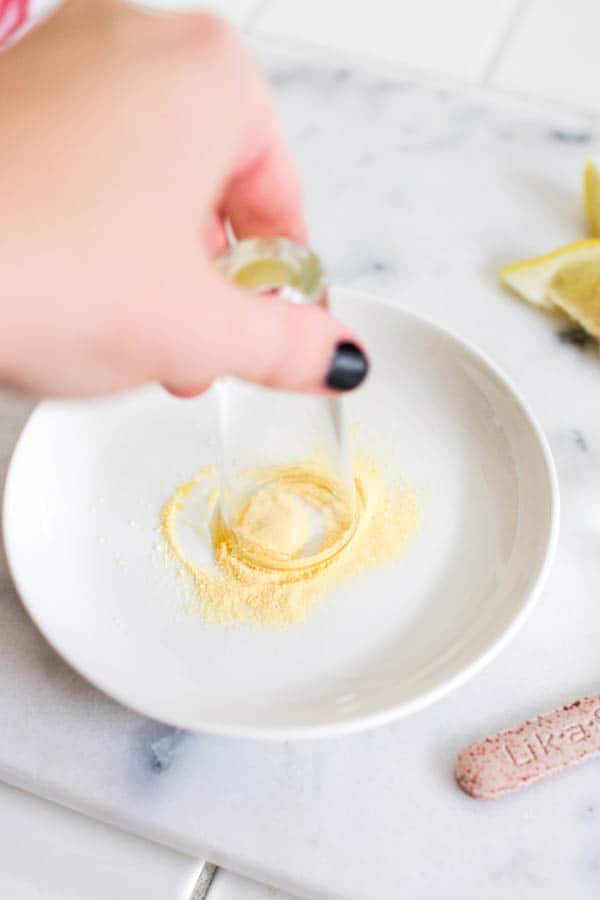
column 591, row 194
column 576, row 290
column 531, row 279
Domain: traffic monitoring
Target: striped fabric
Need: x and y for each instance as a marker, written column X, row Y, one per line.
column 13, row 15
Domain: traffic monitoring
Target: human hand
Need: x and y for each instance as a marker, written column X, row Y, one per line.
column 127, row 140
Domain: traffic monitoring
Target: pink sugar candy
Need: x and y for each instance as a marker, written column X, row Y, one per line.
column 539, row 747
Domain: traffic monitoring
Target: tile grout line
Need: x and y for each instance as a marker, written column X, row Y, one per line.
column 205, row 879
column 506, row 36
column 252, row 17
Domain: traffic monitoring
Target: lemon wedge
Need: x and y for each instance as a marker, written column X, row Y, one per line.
column 591, row 194
column 565, row 278
column 576, row 290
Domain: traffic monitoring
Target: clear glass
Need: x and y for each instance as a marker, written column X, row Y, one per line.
column 285, row 465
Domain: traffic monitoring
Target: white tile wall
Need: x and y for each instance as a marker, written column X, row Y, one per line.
column 51, row 853
column 456, row 37
column 554, row 52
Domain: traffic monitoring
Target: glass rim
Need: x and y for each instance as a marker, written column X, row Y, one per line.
column 274, row 263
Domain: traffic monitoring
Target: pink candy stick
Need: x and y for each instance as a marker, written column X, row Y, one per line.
column 537, row 748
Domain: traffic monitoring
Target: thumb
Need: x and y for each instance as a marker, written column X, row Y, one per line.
column 261, row 338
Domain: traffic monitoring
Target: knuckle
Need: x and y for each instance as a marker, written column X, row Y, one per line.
column 210, row 38
column 206, row 50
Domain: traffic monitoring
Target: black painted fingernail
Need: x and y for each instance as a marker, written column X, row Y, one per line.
column 348, row 368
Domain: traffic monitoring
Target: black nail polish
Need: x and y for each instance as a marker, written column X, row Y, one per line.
column 348, row 368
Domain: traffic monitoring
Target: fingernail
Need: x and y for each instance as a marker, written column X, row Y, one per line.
column 348, row 368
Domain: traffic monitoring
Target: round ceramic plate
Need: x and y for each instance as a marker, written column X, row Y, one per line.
column 81, row 517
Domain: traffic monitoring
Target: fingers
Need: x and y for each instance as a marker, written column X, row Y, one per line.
column 265, row 198
column 256, row 184
column 263, row 339
column 263, row 195
column 214, row 236
column 187, row 392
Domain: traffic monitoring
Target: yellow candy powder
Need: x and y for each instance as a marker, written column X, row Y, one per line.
column 240, row 591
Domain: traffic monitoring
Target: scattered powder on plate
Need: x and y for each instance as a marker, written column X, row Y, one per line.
column 238, row 591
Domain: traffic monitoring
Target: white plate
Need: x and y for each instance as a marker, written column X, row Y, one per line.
column 82, row 504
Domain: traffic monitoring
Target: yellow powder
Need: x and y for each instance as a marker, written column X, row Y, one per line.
column 292, row 512
column 277, row 520
column 244, row 591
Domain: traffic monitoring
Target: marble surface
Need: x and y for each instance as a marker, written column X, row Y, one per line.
column 418, row 195
column 466, row 36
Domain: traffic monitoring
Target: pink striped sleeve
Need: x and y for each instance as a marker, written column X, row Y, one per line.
column 13, row 15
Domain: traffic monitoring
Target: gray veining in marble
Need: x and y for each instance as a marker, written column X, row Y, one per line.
column 419, row 195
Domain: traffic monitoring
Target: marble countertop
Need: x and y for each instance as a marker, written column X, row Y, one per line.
column 419, row 195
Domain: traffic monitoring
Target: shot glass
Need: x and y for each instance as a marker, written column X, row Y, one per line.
column 287, row 497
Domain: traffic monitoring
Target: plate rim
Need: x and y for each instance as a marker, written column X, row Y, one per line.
column 353, row 723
